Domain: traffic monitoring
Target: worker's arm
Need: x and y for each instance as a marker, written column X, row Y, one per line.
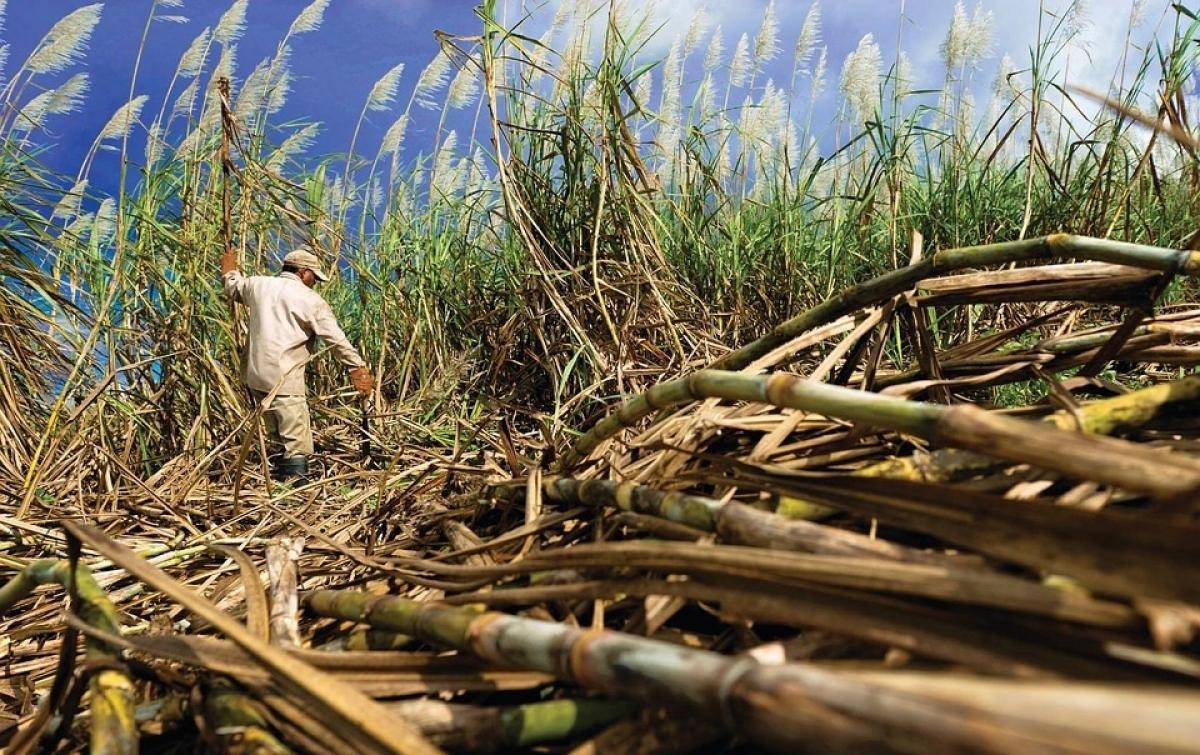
column 232, row 277
column 325, row 327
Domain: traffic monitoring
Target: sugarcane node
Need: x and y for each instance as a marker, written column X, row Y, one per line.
column 624, row 495
column 1190, row 263
column 779, row 385
column 577, row 659
column 728, row 682
column 869, row 435
column 477, row 636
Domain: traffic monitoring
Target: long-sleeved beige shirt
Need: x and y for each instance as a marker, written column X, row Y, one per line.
column 286, row 319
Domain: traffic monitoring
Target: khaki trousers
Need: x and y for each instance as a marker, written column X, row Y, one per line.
column 288, row 424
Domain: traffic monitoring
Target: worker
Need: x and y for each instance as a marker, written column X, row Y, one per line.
column 286, row 317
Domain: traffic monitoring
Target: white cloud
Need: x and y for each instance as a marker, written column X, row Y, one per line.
column 918, row 25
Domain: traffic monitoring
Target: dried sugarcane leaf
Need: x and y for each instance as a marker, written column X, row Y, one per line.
column 1117, row 552
column 926, row 630
column 356, row 718
column 374, row 673
column 258, row 615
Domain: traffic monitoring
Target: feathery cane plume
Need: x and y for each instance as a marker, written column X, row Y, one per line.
column 62, row 100
column 706, row 97
column 105, row 226
column 295, row 144
column 716, row 49
column 568, row 67
column 192, row 61
column 121, row 122
column 766, row 42
column 644, row 88
column 810, row 37
column 226, row 65
column 431, row 80
column 979, row 36
column 739, row 66
column 255, row 92
column 375, row 197
column 1137, row 13
column 774, row 104
column 383, row 93
column 953, row 45
column 310, row 19
column 748, row 122
column 232, row 24
column 562, row 16
column 667, row 141
column 80, row 228
column 477, row 174
column 695, row 30
column 670, row 98
column 394, row 138
column 446, row 173
column 68, row 207
column 279, row 84
column 186, row 100
column 170, row 18
column 334, row 195
column 538, row 55
column 968, row 39
column 1008, row 82
column 1075, row 20
column 724, row 155
column 154, row 144
column 860, row 77
column 904, row 73
column 818, row 75
column 66, row 42
column 463, row 88
column 69, row 97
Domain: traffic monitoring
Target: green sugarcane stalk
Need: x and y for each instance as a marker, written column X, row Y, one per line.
column 1052, row 247
column 369, row 638
column 694, row 511
column 114, row 725
column 1057, row 359
column 792, row 707
column 610, row 662
column 470, row 728
column 735, row 522
column 1159, row 475
column 1086, row 341
column 237, row 720
column 1058, row 246
column 526, row 725
column 1105, row 417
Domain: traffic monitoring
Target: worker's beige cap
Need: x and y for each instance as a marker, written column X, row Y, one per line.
column 305, row 259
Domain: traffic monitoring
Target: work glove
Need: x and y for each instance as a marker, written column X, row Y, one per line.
column 228, row 263
column 360, row 378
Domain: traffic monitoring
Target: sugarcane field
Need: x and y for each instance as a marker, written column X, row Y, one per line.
column 599, row 376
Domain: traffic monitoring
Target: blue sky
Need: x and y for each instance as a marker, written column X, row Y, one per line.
column 336, row 66
column 361, row 39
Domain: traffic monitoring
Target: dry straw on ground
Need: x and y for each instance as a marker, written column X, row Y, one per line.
column 660, row 461
column 826, row 549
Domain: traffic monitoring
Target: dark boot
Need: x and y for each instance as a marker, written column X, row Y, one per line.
column 292, row 468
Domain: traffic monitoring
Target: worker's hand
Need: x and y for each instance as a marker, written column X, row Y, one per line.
column 228, row 263
column 361, row 378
